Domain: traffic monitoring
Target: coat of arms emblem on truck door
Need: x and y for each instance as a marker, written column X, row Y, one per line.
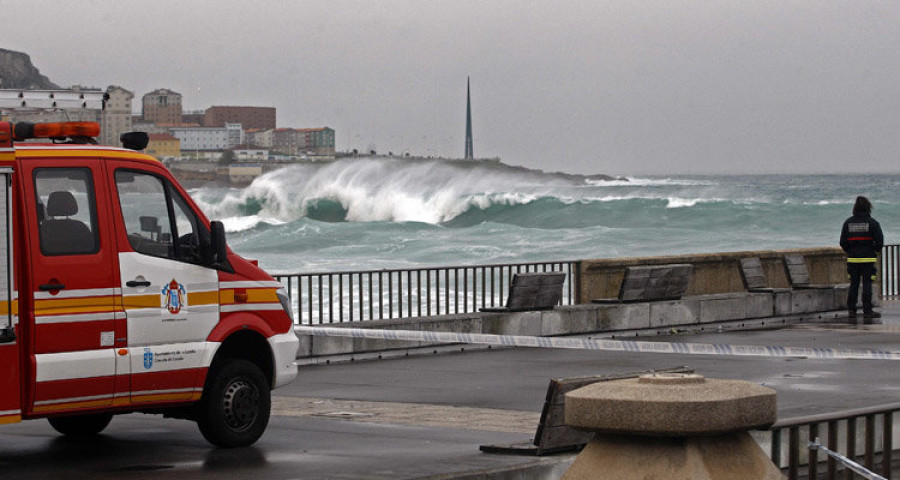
column 174, row 297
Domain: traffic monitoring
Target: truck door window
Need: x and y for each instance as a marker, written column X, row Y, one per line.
column 157, row 219
column 67, row 211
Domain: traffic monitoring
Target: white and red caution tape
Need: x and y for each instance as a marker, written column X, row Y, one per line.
column 603, row 344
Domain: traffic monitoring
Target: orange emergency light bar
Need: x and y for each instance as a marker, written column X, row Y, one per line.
column 24, row 131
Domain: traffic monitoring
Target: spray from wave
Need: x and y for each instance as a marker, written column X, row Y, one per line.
column 461, row 194
column 387, row 190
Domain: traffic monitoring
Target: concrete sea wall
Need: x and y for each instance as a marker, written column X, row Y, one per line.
column 713, row 272
column 716, row 294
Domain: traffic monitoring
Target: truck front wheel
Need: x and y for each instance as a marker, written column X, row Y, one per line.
column 80, row 425
column 234, row 409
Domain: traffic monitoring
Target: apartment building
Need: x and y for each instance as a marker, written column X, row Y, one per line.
column 304, row 141
column 115, row 119
column 208, row 138
column 317, row 141
column 250, row 117
column 162, row 106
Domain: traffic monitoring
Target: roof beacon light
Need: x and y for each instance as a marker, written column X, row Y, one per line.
column 24, row 131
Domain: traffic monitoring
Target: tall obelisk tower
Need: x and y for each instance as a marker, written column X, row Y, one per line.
column 470, row 155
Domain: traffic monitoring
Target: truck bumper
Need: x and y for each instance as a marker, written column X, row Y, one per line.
column 284, row 348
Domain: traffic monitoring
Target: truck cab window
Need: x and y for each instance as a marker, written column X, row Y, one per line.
column 67, row 211
column 157, row 220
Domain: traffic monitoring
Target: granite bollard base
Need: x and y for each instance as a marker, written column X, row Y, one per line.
column 734, row 456
column 671, row 426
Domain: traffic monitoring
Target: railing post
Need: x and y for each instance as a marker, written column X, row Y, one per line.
column 340, row 298
column 851, row 445
column 361, row 298
column 321, row 302
column 575, row 283
column 299, row 299
column 350, row 295
column 380, row 295
column 833, row 446
column 813, row 454
column 776, row 447
column 447, row 292
column 794, row 453
column 493, row 286
column 330, row 298
column 887, row 445
column 483, row 287
column 437, row 292
column 870, row 441
column 419, row 292
column 428, row 292
column 456, row 289
column 371, row 294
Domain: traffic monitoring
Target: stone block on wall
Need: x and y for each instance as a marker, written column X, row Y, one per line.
column 305, row 346
column 623, row 316
column 811, row 300
column 783, row 303
column 569, row 320
column 840, row 296
column 459, row 324
column 760, row 305
column 331, row 346
column 723, row 306
column 515, row 323
column 674, row 312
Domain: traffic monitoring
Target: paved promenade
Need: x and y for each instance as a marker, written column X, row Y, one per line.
column 424, row 417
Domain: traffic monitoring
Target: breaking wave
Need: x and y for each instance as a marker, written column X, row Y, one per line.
column 383, row 213
column 456, row 193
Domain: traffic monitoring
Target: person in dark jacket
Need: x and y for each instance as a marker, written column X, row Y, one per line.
column 861, row 240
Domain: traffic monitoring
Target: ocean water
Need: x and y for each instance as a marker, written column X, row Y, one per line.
column 359, row 214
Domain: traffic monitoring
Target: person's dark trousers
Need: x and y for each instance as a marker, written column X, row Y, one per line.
column 857, row 272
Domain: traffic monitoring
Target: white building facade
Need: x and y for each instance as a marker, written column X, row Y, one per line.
column 116, row 117
column 201, row 138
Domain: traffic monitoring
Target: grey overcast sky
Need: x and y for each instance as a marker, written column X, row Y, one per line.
column 620, row 87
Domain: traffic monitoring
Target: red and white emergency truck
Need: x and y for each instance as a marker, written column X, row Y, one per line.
column 118, row 295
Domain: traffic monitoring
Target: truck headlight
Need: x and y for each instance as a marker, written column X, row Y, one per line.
column 285, row 302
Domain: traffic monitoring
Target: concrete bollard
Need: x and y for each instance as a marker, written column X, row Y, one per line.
column 671, row 426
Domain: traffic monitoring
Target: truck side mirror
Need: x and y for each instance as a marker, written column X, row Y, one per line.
column 135, row 140
column 7, row 335
column 217, row 243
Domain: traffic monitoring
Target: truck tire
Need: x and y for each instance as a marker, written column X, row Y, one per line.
column 234, row 408
column 80, row 425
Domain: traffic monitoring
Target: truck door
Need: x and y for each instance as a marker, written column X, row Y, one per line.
column 171, row 298
column 10, row 394
column 75, row 317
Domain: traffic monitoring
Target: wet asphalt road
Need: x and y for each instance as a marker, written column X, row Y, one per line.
column 308, row 447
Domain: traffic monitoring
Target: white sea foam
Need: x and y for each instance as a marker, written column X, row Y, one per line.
column 648, row 182
column 238, row 224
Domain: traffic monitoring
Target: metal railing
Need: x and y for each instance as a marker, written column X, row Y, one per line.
column 337, row 297
column 876, row 420
column 890, row 271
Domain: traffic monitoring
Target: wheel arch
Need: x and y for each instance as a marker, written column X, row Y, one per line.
column 248, row 345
